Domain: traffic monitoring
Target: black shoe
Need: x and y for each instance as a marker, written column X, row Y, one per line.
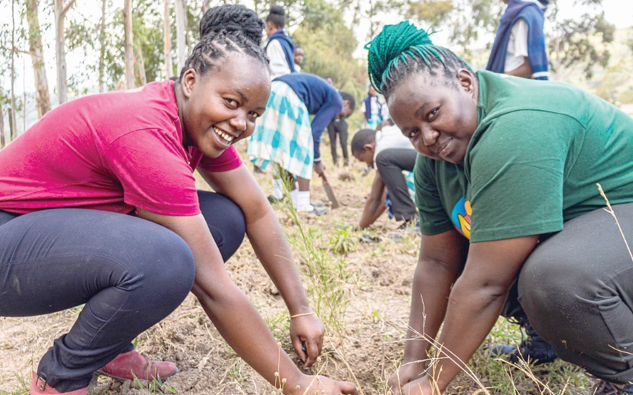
column 607, row 388
column 534, row 349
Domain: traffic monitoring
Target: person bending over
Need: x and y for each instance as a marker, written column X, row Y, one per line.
column 285, row 136
column 506, row 188
column 99, row 206
column 390, row 153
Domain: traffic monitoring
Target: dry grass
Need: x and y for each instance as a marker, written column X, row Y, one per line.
column 361, row 290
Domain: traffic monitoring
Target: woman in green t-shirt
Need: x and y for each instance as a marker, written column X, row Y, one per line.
column 506, row 189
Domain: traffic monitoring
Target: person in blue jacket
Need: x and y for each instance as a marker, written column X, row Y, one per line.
column 279, row 48
column 519, row 47
column 286, row 136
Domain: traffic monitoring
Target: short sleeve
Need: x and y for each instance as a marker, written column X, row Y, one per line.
column 433, row 216
column 278, row 63
column 228, row 160
column 517, row 171
column 153, row 172
column 520, row 32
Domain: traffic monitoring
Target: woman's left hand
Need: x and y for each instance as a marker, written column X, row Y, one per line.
column 307, row 329
column 421, row 386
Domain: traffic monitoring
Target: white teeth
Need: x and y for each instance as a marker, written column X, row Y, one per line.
column 225, row 136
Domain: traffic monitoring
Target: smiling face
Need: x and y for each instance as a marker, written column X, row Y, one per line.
column 221, row 107
column 439, row 118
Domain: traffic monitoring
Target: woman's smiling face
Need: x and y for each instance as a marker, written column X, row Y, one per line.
column 438, row 117
column 221, row 106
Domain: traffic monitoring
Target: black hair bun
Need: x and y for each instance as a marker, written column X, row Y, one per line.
column 232, row 18
column 278, row 10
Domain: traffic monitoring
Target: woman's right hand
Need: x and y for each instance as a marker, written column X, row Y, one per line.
column 406, row 374
column 309, row 385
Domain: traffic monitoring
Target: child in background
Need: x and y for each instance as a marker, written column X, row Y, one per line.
column 286, row 136
column 298, row 59
column 372, row 109
column 280, row 49
column 390, row 153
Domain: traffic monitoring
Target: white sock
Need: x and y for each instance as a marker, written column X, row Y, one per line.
column 294, row 196
column 304, row 201
column 278, row 192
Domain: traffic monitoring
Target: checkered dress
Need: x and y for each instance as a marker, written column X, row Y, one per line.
column 283, row 135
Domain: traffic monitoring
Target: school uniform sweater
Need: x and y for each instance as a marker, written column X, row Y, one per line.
column 321, row 100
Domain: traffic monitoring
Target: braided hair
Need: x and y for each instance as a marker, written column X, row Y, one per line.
column 225, row 29
column 401, row 50
column 232, row 17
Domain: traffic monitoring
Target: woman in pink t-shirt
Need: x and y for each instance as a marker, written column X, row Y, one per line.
column 99, row 206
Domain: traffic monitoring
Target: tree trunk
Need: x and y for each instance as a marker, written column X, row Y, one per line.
column 23, row 96
column 102, row 47
column 60, row 48
column 42, row 97
column 12, row 123
column 206, row 4
column 129, row 46
column 180, row 33
column 2, row 138
column 169, row 69
column 140, row 63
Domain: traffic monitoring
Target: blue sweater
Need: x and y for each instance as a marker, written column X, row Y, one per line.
column 287, row 45
column 533, row 14
column 321, row 99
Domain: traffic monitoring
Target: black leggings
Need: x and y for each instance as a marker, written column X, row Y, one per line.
column 577, row 290
column 129, row 272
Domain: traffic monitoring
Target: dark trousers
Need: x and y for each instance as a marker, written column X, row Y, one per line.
column 338, row 127
column 577, row 291
column 390, row 164
column 129, row 272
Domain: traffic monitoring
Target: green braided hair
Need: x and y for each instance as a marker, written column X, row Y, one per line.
column 401, row 50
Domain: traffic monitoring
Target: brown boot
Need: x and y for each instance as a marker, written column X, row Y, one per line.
column 130, row 365
column 39, row 387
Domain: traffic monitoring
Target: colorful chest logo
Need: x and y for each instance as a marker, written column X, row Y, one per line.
column 461, row 217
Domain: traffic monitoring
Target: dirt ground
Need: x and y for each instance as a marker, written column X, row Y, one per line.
column 373, row 323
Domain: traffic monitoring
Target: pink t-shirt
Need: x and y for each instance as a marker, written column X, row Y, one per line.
column 113, row 151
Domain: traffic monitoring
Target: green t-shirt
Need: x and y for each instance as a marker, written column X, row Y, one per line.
column 533, row 162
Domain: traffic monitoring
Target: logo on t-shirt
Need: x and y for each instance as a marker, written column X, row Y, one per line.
column 461, row 217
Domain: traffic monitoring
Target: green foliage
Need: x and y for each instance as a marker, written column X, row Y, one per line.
column 329, row 46
column 325, row 276
column 431, row 11
column 343, row 240
column 583, row 40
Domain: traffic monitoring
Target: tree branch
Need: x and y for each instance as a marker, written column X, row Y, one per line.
column 65, row 10
column 14, row 49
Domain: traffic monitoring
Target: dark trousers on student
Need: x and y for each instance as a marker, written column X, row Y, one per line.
column 129, row 272
column 390, row 164
column 577, row 291
column 338, row 127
